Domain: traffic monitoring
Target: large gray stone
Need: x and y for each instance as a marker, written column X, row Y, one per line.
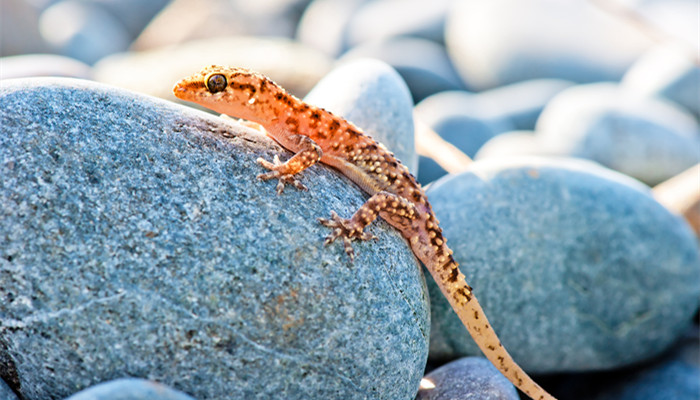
column 577, row 267
column 373, row 96
column 136, row 241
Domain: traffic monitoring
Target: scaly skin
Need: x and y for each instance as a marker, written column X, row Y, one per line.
column 314, row 134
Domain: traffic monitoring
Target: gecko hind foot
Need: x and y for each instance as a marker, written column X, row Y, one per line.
column 347, row 229
column 274, row 168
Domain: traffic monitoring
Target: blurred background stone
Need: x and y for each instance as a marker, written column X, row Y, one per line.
column 498, row 42
column 83, row 30
column 293, row 65
column 382, row 19
column 423, row 64
column 324, row 24
column 647, row 138
column 461, row 120
column 202, row 19
column 668, row 71
column 511, row 144
column 19, row 29
column 23, row 66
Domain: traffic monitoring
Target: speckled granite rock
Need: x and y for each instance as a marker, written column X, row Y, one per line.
column 130, row 389
column 372, row 95
column 136, row 241
column 466, row 379
column 647, row 138
column 577, row 267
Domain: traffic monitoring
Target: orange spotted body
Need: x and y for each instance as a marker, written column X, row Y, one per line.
column 314, row 135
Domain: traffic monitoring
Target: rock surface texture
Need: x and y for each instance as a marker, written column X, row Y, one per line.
column 137, row 242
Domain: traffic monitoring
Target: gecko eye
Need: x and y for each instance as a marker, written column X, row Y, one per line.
column 216, row 83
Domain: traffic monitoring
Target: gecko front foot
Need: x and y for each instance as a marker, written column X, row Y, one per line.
column 347, row 229
column 276, row 171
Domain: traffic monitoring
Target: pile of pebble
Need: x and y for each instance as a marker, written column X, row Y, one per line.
column 140, row 258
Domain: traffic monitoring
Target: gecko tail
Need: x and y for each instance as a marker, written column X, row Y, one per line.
column 473, row 317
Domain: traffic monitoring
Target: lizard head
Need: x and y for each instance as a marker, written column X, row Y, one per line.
column 234, row 91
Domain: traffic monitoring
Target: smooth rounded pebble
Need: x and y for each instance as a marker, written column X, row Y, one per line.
column 134, row 14
column 520, row 103
column 129, row 389
column 83, row 30
column 466, row 379
column 371, row 95
column 646, row 138
column 294, row 66
column 29, row 65
column 509, row 144
column 20, row 29
column 182, row 21
column 324, row 23
column 577, row 267
column 494, row 43
column 137, row 241
column 423, row 64
column 667, row 71
column 381, row 19
column 461, row 120
column 429, row 170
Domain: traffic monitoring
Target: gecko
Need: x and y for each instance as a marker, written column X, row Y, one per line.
column 316, row 135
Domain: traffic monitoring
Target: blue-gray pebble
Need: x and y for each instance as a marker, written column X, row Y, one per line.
column 674, row 377
column 649, row 139
column 130, row 389
column 670, row 72
column 137, row 241
column 509, row 144
column 423, row 64
column 92, row 33
column 466, row 379
column 381, row 19
column 372, row 95
column 577, row 266
column 494, row 43
column 461, row 120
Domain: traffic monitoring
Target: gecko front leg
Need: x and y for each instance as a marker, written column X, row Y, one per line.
column 396, row 210
column 308, row 154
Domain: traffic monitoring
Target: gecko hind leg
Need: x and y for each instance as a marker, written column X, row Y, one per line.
column 396, row 210
column 309, row 154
